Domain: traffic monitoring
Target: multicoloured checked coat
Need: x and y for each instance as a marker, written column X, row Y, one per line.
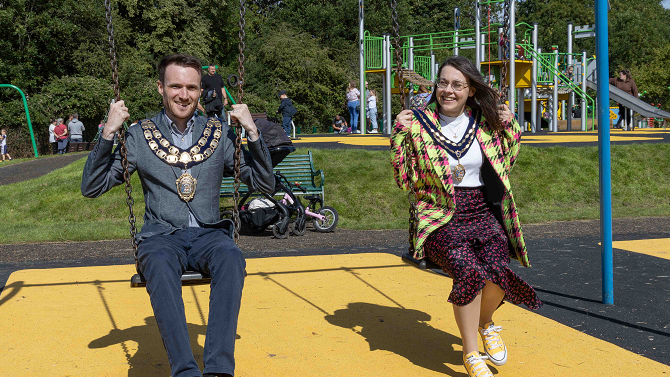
column 431, row 177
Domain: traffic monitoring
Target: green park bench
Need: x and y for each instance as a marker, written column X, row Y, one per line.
column 296, row 168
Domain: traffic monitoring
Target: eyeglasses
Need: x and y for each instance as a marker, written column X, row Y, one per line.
column 457, row 86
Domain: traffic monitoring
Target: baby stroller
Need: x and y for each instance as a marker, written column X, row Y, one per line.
column 283, row 216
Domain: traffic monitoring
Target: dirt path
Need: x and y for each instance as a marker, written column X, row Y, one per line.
column 36, row 168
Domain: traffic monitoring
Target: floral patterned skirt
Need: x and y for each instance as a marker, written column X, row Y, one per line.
column 473, row 248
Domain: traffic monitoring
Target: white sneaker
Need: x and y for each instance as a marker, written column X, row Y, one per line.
column 493, row 344
column 357, row 132
column 374, row 132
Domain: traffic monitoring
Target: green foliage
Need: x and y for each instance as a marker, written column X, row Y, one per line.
column 294, row 61
column 308, row 48
column 654, row 76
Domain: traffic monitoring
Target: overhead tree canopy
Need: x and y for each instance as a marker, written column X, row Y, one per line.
column 57, row 51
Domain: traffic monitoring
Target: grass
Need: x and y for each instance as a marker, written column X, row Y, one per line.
column 550, row 184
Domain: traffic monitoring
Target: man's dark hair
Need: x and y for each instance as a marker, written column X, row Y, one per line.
column 75, row 116
column 181, row 60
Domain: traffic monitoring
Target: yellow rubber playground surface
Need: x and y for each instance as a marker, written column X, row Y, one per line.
column 639, row 135
column 333, row 315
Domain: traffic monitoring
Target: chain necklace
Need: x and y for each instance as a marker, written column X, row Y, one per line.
column 448, row 124
column 172, row 155
column 455, row 149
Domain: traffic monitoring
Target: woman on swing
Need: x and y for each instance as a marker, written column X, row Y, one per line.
column 456, row 156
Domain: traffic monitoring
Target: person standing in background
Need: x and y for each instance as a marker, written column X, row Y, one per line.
column 61, row 135
column 287, row 111
column 77, row 129
column 372, row 110
column 214, row 95
column 353, row 104
column 52, row 137
column 3, row 145
column 626, row 83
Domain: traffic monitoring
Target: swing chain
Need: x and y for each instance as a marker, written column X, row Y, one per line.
column 122, row 134
column 238, row 138
column 411, row 196
column 241, row 46
column 401, row 85
column 112, row 50
column 398, row 53
column 507, row 50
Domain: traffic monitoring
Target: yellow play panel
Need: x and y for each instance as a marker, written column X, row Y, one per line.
column 349, row 140
column 526, row 138
column 334, row 315
column 659, row 247
column 579, row 138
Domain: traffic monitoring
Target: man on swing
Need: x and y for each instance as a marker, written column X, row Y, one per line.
column 181, row 158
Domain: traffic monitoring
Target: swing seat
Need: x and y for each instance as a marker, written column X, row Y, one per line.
column 423, row 264
column 187, row 278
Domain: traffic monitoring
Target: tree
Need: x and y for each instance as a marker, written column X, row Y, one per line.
column 292, row 60
column 653, row 77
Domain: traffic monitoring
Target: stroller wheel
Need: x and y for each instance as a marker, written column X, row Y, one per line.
column 295, row 229
column 276, row 230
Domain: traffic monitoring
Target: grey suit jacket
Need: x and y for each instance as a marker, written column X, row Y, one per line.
column 165, row 212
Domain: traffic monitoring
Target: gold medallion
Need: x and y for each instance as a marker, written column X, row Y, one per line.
column 186, row 187
column 458, row 173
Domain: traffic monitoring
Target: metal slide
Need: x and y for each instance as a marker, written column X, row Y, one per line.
column 618, row 95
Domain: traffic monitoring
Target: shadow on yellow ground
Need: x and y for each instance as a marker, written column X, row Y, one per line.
column 333, row 315
column 149, row 345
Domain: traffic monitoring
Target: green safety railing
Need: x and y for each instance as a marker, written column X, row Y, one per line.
column 25, row 107
column 447, row 40
column 374, row 46
column 422, row 66
column 545, row 68
column 421, row 43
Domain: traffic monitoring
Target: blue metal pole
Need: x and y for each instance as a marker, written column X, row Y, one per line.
column 605, row 168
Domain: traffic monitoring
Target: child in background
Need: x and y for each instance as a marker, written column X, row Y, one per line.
column 372, row 111
column 3, row 145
